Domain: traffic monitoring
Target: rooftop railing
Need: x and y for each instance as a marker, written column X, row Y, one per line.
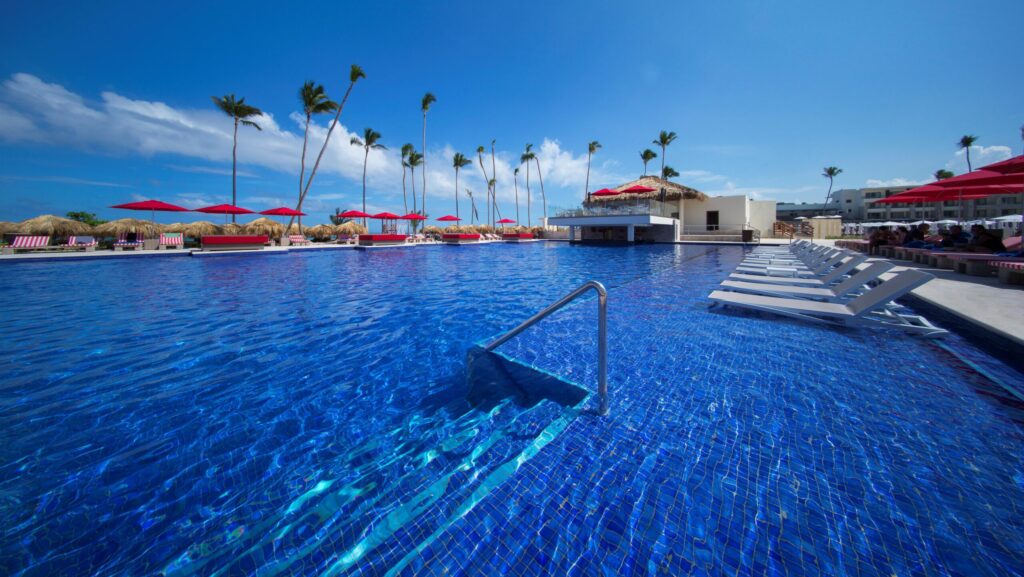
column 625, row 207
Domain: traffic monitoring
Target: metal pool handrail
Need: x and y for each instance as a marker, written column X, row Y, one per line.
column 602, row 334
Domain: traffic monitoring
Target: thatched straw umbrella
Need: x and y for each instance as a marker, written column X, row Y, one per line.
column 432, row 230
column 673, row 191
column 54, row 226
column 351, row 227
column 232, row 228
column 320, row 231
column 200, row 228
column 6, row 227
column 176, row 227
column 126, row 225
column 264, row 225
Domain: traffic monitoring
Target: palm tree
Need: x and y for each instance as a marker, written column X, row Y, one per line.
column 593, row 147
column 966, row 142
column 369, row 140
column 515, row 179
column 543, row 197
column 414, row 159
column 664, row 139
column 647, row 155
column 314, row 101
column 406, row 149
column 472, row 211
column 355, row 73
column 526, row 157
column 494, row 186
column 425, row 103
column 942, row 174
column 240, row 112
column 668, row 172
column 829, row 172
column 480, row 159
column 459, row 161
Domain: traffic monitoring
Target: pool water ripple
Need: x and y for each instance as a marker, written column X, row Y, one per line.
column 304, row 414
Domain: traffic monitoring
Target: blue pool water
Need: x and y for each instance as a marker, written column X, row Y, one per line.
column 306, row 414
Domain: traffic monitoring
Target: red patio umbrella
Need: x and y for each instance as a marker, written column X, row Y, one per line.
column 354, row 214
column 412, row 216
column 224, row 209
column 152, row 206
column 383, row 216
column 605, row 192
column 505, row 221
column 449, row 218
column 639, row 189
column 283, row 211
column 979, row 178
column 1009, row 166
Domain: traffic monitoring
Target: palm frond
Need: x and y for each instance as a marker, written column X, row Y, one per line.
column 252, row 124
column 428, row 99
column 355, row 140
column 356, row 73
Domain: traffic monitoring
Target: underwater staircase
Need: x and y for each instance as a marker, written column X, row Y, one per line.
column 397, row 494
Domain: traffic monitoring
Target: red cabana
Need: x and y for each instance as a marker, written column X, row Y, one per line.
column 152, row 206
column 639, row 189
column 384, row 217
column 224, row 209
column 283, row 211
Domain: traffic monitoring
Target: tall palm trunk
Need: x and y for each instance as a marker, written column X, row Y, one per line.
column 586, row 187
column 529, row 219
column 405, row 197
column 662, row 159
column 302, row 161
column 824, row 207
column 323, row 149
column 412, row 183
column 487, row 181
column 423, row 204
column 456, row 192
column 234, row 164
column 366, row 157
column 494, row 189
column 515, row 180
column 543, row 197
column 967, row 151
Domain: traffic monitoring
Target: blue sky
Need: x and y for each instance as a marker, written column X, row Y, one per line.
column 106, row 104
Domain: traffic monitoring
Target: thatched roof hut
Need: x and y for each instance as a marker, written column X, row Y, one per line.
column 320, row 231
column 432, row 230
column 7, row 226
column 55, row 226
column 200, row 228
column 232, row 228
column 176, row 227
column 126, row 225
column 351, row 227
column 673, row 191
column 264, row 225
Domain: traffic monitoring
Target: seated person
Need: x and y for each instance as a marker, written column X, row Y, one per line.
column 899, row 236
column 955, row 237
column 916, row 236
column 984, row 241
column 878, row 238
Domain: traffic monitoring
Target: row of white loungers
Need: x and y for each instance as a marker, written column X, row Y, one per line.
column 823, row 285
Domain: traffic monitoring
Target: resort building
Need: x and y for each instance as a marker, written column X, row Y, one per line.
column 857, row 205
column 652, row 209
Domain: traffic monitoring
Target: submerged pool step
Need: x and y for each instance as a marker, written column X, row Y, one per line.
column 398, row 491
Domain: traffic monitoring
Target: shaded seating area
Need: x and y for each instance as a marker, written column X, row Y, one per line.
column 169, row 240
column 460, row 238
column 86, row 243
column 517, row 236
column 381, row 239
column 26, row 243
column 298, row 239
column 233, row 242
column 129, row 241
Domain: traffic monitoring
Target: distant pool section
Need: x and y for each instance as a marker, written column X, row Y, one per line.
column 313, row 414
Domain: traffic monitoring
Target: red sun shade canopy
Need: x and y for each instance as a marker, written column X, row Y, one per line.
column 506, row 221
column 606, row 192
column 639, row 189
column 354, row 214
column 386, row 216
column 1009, row 166
column 224, row 209
column 980, row 178
column 151, row 205
column 283, row 211
column 412, row 216
column 449, row 218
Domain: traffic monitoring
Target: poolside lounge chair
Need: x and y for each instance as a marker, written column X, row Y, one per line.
column 170, row 240
column 29, row 243
column 129, row 240
column 297, row 239
column 869, row 309
column 813, row 256
column 86, row 243
column 793, row 269
column 839, row 293
column 832, row 276
column 1010, row 272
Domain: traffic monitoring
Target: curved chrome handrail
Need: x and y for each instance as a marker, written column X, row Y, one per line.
column 602, row 334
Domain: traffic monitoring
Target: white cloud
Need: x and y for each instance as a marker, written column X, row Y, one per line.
column 66, row 180
column 210, row 170
column 874, row 182
column 767, row 193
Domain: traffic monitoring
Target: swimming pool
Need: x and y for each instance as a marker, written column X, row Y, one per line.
column 305, row 414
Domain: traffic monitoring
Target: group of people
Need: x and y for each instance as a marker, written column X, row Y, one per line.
column 979, row 239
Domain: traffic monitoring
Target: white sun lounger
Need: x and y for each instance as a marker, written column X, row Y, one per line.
column 793, row 270
column 832, row 276
column 839, row 293
column 868, row 310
